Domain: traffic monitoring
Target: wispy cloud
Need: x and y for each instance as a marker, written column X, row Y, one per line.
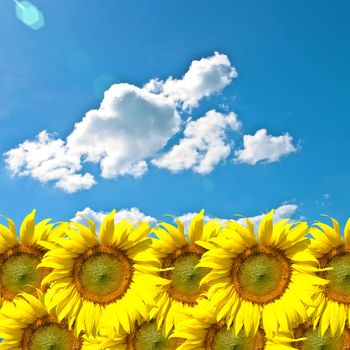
column 325, row 200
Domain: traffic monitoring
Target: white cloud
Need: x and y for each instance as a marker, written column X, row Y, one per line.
column 97, row 216
column 203, row 146
column 130, row 126
column 48, row 159
column 71, row 183
column 205, row 77
column 264, row 147
column 282, row 212
column 187, row 218
column 324, row 201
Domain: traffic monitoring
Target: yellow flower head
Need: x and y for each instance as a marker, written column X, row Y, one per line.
column 333, row 253
column 27, row 325
column 270, row 277
column 19, row 257
column 108, row 279
column 144, row 336
column 307, row 336
column 202, row 331
column 179, row 256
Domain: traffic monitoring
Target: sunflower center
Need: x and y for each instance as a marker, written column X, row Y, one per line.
column 48, row 334
column 338, row 288
column 261, row 274
column 185, row 277
column 148, row 337
column 103, row 274
column 18, row 271
column 220, row 338
column 51, row 337
column 316, row 342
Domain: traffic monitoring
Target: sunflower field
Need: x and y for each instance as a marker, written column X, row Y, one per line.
column 218, row 285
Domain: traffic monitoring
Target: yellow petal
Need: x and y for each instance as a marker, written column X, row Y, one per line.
column 265, row 228
column 27, row 228
column 107, row 228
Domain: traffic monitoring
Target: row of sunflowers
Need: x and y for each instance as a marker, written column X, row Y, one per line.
column 218, row 285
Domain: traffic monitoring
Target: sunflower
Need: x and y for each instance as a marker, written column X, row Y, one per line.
column 19, row 258
column 111, row 278
column 179, row 256
column 333, row 252
column 310, row 338
column 145, row 335
column 270, row 278
column 27, row 325
column 202, row 331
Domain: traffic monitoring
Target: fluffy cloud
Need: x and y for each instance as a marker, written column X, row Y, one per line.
column 131, row 126
column 71, row 183
column 134, row 214
column 187, row 218
column 264, row 147
column 203, row 146
column 205, row 77
column 48, row 159
column 282, row 212
column 96, row 216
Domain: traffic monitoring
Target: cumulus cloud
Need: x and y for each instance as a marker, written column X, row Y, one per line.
column 131, row 126
column 204, row 77
column 187, row 218
column 203, row 146
column 264, row 147
column 71, row 183
column 96, row 216
column 282, row 212
column 48, row 159
column 134, row 214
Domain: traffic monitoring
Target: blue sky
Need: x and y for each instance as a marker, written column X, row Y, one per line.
column 292, row 60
